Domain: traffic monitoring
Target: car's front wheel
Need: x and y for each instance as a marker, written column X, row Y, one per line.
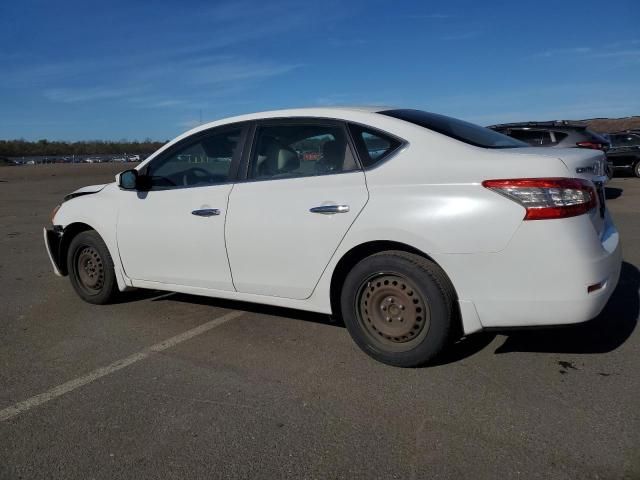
column 636, row 169
column 399, row 308
column 90, row 268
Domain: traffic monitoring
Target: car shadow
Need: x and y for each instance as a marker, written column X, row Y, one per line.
column 252, row 307
column 611, row 193
column 460, row 349
column 137, row 295
column 605, row 333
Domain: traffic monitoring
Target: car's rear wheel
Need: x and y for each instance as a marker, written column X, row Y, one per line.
column 90, row 268
column 636, row 169
column 399, row 308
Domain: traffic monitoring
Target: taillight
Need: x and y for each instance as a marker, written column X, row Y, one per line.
column 593, row 145
column 545, row 198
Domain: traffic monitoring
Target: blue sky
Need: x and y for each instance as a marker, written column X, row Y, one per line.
column 75, row 70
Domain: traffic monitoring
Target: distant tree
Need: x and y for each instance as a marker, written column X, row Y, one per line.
column 44, row 147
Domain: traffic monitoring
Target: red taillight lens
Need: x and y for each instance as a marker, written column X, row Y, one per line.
column 593, row 145
column 546, row 198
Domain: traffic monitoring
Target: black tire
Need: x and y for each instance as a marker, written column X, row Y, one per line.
column 90, row 268
column 636, row 169
column 418, row 328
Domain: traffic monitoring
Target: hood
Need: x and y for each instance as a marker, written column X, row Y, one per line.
column 85, row 191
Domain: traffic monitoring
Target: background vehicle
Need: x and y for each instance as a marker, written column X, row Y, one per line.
column 6, row 162
column 556, row 134
column 409, row 225
column 624, row 153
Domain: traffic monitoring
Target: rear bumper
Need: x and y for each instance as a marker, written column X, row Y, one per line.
column 543, row 276
column 52, row 241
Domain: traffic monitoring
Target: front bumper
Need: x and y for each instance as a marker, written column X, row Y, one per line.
column 52, row 242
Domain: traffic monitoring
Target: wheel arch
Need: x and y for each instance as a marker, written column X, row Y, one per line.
column 358, row 253
column 70, row 232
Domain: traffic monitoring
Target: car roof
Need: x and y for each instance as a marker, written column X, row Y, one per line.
column 305, row 112
column 339, row 112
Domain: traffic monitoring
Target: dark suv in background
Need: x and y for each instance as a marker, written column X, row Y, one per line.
column 624, row 153
column 557, row 134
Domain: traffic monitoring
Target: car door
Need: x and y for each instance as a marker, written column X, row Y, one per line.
column 172, row 231
column 303, row 189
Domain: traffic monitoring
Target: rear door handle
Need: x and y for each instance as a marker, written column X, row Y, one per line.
column 330, row 209
column 206, row 212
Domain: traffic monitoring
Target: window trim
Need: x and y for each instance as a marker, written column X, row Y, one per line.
column 195, row 138
column 252, row 138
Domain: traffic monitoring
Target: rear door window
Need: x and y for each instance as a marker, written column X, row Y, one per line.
column 300, row 150
column 625, row 140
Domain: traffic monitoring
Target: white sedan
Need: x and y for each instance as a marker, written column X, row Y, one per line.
column 408, row 225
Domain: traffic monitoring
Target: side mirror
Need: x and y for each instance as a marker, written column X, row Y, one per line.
column 128, row 180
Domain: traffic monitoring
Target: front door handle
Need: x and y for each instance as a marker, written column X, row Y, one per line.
column 206, row 212
column 330, row 209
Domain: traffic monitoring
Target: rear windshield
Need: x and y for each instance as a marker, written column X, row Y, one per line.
column 460, row 130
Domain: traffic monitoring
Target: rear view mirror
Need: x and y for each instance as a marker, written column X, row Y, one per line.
column 128, row 179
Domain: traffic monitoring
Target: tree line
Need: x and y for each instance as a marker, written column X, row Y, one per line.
column 24, row 148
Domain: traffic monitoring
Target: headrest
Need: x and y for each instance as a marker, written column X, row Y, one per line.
column 333, row 151
column 281, row 159
column 332, row 157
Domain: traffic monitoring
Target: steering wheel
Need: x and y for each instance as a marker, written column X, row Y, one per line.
column 197, row 175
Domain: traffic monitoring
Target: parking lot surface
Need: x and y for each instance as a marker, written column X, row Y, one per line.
column 174, row 386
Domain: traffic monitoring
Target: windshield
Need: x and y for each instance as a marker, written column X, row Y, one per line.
column 460, row 130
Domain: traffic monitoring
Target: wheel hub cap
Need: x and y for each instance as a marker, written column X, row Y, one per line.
column 90, row 269
column 391, row 309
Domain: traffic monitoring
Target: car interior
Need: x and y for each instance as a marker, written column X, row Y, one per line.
column 205, row 162
column 300, row 151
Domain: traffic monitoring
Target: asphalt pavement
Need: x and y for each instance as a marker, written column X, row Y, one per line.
column 176, row 386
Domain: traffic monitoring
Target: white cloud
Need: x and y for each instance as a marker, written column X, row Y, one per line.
column 609, row 51
column 74, row 95
column 236, row 71
column 563, row 51
column 618, row 54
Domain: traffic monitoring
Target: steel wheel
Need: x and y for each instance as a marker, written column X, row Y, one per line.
column 90, row 269
column 394, row 315
column 398, row 307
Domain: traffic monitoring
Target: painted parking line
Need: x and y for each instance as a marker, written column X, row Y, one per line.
column 71, row 385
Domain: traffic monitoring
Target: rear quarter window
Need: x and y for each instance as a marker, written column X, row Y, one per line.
column 372, row 145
